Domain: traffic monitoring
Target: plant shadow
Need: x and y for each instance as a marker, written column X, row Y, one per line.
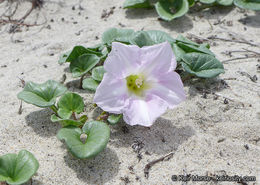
column 41, row 123
column 253, row 20
column 161, row 138
column 140, row 13
column 98, row 170
column 74, row 86
column 205, row 86
column 177, row 24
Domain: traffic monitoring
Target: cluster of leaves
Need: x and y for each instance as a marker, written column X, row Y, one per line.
column 83, row 139
column 171, row 9
column 195, row 59
column 17, row 169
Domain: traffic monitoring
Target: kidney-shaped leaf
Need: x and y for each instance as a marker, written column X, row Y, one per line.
column 18, row 169
column 76, row 52
column 171, row 9
column 83, row 64
column 114, row 118
column 207, row 1
column 202, row 65
column 98, row 73
column 97, row 132
column 142, row 38
column 69, row 103
column 225, row 2
column 90, row 84
column 137, row 4
column 160, row 36
column 115, row 34
column 248, row 4
column 42, row 95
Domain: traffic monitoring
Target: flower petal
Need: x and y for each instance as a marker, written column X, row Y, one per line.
column 169, row 87
column 158, row 59
column 144, row 112
column 111, row 94
column 122, row 60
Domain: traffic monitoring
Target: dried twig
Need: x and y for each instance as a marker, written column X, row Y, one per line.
column 214, row 37
column 150, row 164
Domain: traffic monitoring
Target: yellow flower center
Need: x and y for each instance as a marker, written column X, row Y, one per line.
column 136, row 84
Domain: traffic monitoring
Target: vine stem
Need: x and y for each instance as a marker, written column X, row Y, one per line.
column 55, row 109
column 81, row 81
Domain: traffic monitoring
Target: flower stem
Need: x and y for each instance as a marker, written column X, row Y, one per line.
column 103, row 116
column 55, row 109
column 81, row 81
column 74, row 116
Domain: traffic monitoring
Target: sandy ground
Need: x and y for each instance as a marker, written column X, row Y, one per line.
column 206, row 135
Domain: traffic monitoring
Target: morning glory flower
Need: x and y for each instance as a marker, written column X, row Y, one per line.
column 140, row 83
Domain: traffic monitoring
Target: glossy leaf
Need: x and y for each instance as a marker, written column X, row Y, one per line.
column 115, row 34
column 18, row 169
column 42, row 95
column 64, row 57
column 90, row 84
column 248, row 4
column 66, row 122
column 98, row 134
column 191, row 3
column 202, row 65
column 171, row 9
column 70, row 103
column 160, row 36
column 83, row 64
column 76, row 52
column 142, row 38
column 178, row 52
column 114, row 119
column 183, row 39
column 225, row 2
column 188, row 48
column 98, row 73
column 207, row 1
column 136, row 4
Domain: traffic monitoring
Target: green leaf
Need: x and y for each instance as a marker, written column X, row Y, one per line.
column 188, row 48
column 191, row 3
column 83, row 64
column 77, row 51
column 66, row 122
column 83, row 119
column 115, row 34
column 18, row 169
column 202, row 65
column 248, row 4
column 142, row 38
column 207, row 1
column 64, row 57
column 70, row 103
column 114, row 119
column 178, row 52
column 183, row 39
column 98, row 73
column 137, row 4
column 171, row 9
column 42, row 95
column 90, row 84
column 97, row 132
column 160, row 36
column 225, row 2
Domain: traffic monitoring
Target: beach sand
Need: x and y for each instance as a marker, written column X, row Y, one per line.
column 207, row 134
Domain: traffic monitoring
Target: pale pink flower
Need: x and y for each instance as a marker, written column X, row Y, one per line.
column 140, row 83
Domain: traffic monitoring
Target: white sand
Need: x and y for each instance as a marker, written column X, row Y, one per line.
column 206, row 135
